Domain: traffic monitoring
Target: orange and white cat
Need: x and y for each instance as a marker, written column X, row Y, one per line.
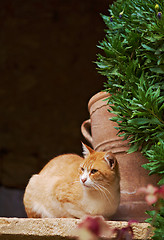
column 72, row 186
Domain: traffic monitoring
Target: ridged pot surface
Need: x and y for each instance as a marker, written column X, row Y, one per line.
column 99, row 131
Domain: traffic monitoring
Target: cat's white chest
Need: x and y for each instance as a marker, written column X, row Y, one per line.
column 95, row 204
column 86, row 206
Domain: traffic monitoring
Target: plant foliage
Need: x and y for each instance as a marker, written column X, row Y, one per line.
column 132, row 60
column 157, row 218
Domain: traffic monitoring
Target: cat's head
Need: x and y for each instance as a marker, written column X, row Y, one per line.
column 98, row 169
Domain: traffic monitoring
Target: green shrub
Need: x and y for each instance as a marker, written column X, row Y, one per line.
column 132, row 60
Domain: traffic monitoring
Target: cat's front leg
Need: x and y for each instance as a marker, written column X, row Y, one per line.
column 74, row 210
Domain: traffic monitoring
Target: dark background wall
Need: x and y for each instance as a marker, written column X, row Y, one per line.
column 47, row 77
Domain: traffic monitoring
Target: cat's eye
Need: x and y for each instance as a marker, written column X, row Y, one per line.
column 93, row 171
column 82, row 169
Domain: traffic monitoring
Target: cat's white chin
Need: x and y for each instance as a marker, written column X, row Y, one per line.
column 87, row 186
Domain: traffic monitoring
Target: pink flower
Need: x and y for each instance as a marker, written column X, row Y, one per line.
column 152, row 193
column 125, row 233
column 94, row 227
column 161, row 192
column 92, row 224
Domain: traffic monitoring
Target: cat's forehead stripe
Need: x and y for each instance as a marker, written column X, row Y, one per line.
column 88, row 164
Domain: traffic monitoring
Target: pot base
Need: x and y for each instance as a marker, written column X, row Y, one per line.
column 131, row 211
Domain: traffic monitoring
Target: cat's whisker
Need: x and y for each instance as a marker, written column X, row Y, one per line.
column 75, row 182
column 99, row 190
column 103, row 191
column 108, row 199
column 109, row 184
column 106, row 190
column 102, row 194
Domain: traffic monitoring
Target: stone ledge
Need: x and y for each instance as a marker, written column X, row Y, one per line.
column 53, row 228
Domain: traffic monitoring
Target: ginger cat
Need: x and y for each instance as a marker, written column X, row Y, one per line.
column 72, row 186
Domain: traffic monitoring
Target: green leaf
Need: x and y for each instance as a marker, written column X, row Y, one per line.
column 133, row 148
column 161, row 182
column 157, row 70
column 147, row 47
column 139, row 121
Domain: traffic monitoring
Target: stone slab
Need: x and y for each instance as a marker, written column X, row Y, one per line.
column 54, row 228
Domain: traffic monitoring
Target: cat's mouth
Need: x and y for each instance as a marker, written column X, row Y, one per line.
column 86, row 185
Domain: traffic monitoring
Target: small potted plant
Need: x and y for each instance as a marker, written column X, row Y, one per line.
column 132, row 60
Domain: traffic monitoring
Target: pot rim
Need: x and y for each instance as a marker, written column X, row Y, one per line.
column 98, row 96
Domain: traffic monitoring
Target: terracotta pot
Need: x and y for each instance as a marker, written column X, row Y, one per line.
column 99, row 131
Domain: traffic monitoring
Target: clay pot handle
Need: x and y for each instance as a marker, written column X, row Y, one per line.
column 86, row 129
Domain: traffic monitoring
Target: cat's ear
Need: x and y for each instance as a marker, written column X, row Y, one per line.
column 110, row 159
column 86, row 150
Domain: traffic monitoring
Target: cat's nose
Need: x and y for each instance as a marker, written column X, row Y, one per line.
column 83, row 180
